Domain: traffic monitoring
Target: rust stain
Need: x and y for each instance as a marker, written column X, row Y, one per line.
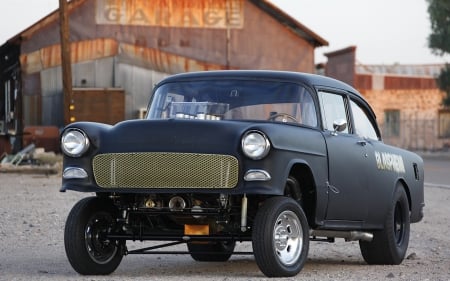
column 94, row 49
column 401, row 82
column 80, row 51
column 31, row 63
column 163, row 61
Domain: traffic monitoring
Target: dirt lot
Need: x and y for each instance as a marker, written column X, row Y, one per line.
column 33, row 212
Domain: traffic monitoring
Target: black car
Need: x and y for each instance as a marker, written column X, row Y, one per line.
column 276, row 158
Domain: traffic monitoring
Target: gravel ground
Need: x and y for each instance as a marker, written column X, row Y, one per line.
column 33, row 213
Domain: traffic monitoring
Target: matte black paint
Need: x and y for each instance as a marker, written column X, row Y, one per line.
column 351, row 192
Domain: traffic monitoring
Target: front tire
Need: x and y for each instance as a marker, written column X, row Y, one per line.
column 280, row 237
column 87, row 249
column 390, row 244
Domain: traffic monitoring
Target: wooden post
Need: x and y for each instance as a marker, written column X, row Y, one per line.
column 66, row 63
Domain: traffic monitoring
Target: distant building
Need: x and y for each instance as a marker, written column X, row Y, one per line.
column 125, row 47
column 405, row 98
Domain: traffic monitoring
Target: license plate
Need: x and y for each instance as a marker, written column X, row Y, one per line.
column 196, row 229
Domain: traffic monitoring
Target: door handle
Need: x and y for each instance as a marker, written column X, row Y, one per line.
column 362, row 142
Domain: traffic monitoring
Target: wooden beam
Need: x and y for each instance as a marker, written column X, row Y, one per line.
column 66, row 63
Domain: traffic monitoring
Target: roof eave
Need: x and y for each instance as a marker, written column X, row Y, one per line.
column 50, row 18
column 291, row 23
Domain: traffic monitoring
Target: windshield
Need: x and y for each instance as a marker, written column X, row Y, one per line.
column 234, row 100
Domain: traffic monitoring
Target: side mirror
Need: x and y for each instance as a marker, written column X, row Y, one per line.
column 339, row 125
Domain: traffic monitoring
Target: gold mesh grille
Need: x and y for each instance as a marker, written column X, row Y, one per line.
column 165, row 170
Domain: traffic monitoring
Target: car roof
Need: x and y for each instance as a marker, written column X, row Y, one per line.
column 306, row 78
column 309, row 79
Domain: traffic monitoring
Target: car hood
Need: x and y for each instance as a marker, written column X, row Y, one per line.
column 171, row 135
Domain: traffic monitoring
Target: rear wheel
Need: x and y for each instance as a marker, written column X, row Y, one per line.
column 211, row 251
column 390, row 244
column 87, row 248
column 280, row 237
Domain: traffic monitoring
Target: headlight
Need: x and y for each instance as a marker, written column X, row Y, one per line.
column 74, row 142
column 255, row 145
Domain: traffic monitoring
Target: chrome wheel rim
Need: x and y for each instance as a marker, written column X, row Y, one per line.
column 288, row 238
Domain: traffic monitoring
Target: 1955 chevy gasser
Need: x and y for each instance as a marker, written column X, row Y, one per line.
column 276, row 158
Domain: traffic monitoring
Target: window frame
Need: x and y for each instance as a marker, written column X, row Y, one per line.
column 371, row 120
column 347, row 97
column 346, row 108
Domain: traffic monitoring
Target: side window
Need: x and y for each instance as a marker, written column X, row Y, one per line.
column 332, row 108
column 363, row 127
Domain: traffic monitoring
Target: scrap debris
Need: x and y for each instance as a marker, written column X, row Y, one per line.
column 31, row 160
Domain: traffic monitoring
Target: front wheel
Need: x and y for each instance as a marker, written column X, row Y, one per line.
column 280, row 237
column 390, row 244
column 87, row 248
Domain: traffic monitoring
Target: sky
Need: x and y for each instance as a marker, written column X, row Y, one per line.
column 383, row 31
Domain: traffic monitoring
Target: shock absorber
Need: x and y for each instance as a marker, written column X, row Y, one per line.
column 244, row 213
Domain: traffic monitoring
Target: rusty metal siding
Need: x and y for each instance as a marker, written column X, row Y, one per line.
column 81, row 51
column 162, row 61
column 363, row 82
column 399, row 82
column 243, row 45
column 391, row 82
column 195, row 43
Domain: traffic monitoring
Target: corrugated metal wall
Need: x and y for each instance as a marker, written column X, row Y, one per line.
column 94, row 74
column 106, row 73
column 138, row 83
column 52, row 99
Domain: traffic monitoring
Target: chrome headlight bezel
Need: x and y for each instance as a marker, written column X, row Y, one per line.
column 255, row 145
column 74, row 142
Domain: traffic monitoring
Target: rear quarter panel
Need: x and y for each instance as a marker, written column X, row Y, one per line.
column 392, row 165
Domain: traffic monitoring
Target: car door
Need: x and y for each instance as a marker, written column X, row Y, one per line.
column 380, row 160
column 348, row 184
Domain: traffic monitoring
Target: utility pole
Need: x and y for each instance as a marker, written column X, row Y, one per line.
column 66, row 63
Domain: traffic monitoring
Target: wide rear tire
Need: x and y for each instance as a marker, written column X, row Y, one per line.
column 280, row 237
column 390, row 244
column 87, row 249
